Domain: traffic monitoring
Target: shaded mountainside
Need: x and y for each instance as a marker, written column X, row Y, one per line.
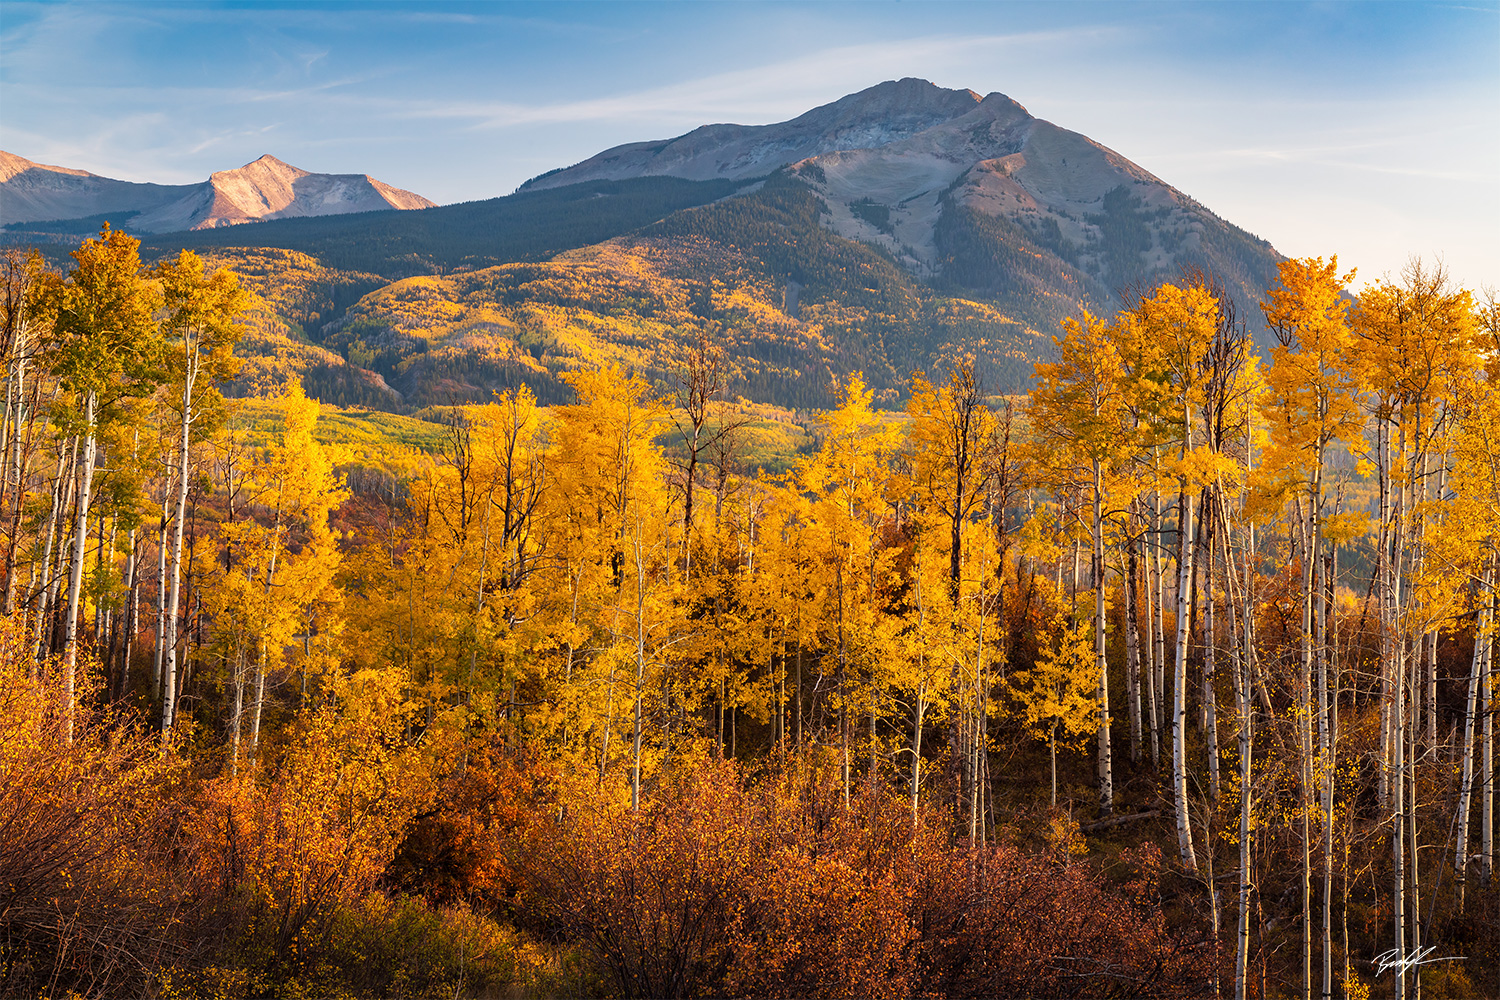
column 520, row 227
column 791, row 304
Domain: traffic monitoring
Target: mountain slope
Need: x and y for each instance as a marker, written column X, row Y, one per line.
column 532, row 225
column 32, row 193
column 792, row 305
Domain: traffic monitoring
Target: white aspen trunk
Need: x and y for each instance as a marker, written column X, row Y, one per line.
column 169, row 638
column 45, row 591
column 1326, row 763
column 1247, row 744
column 1487, row 764
column 1387, row 621
column 1415, row 863
column 1210, row 657
column 1101, row 666
column 260, row 700
column 127, row 616
column 1179, row 678
column 13, row 458
column 158, row 658
column 1432, row 668
column 919, row 708
column 80, row 544
column 1153, row 654
column 69, row 512
column 1398, row 835
column 1466, row 783
column 1304, row 733
column 260, row 664
column 239, row 710
column 640, row 668
column 1244, row 704
column 1160, row 640
column 1133, row 650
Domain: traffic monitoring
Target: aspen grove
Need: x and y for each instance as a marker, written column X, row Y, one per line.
column 1174, row 678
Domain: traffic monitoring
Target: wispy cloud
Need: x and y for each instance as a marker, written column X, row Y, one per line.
column 758, row 93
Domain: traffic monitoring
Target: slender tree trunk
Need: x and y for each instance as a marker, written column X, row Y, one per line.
column 239, row 709
column 1247, row 745
column 1309, row 557
column 1487, row 763
column 1163, row 695
column 1154, row 668
column 128, row 616
column 169, row 639
column 45, row 590
column 80, row 545
column 640, row 669
column 260, row 701
column 1052, row 749
column 1133, row 649
column 1327, row 763
column 158, row 659
column 1398, row 834
column 1415, row 857
column 1210, row 643
column 17, row 384
column 1101, row 666
column 1179, row 680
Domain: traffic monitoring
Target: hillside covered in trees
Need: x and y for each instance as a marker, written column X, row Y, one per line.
column 1175, row 678
column 401, row 310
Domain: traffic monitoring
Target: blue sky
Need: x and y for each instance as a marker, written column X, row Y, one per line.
column 1371, row 130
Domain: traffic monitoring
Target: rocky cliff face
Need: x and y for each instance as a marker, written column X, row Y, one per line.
column 265, row 189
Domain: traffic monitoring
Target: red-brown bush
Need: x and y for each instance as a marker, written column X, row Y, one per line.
column 724, row 886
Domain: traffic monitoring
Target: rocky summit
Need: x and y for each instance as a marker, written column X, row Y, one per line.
column 267, row 188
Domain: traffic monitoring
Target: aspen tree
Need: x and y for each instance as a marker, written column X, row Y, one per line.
column 106, row 350
column 1469, row 545
column 1415, row 342
column 956, row 458
column 199, row 327
column 847, row 479
column 294, row 490
column 1310, row 401
column 1055, row 692
column 1079, row 413
column 25, row 324
column 609, row 469
column 1167, row 337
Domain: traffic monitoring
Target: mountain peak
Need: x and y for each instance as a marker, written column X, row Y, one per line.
column 876, row 116
column 265, row 188
column 907, row 93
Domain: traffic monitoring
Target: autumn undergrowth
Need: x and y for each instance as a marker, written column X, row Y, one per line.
column 358, row 863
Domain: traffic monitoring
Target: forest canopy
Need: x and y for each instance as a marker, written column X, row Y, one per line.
column 1172, row 678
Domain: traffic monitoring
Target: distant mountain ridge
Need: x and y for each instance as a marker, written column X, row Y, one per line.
column 264, row 189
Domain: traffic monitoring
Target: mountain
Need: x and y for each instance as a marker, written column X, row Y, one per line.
column 37, row 197
column 890, row 231
column 946, row 181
